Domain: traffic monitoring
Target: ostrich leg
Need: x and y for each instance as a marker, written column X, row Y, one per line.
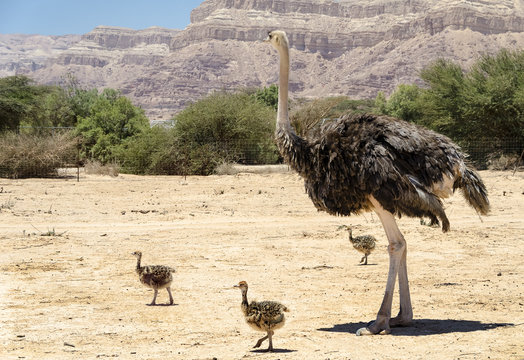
column 154, row 297
column 261, row 340
column 397, row 266
column 405, row 315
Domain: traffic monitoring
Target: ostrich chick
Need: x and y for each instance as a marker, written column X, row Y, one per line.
column 364, row 243
column 262, row 315
column 155, row 277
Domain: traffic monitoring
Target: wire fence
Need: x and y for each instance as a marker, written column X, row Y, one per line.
column 495, row 154
column 505, row 154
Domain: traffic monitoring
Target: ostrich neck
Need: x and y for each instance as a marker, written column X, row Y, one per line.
column 293, row 148
column 244, row 304
column 283, row 116
column 138, row 268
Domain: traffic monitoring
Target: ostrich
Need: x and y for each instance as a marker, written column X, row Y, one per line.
column 377, row 163
column 155, row 277
column 265, row 316
column 363, row 243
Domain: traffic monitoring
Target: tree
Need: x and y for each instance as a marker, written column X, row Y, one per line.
column 494, row 97
column 238, row 126
column 112, row 118
column 268, row 96
column 51, row 109
column 405, row 103
column 381, row 103
column 18, row 98
column 443, row 98
column 78, row 99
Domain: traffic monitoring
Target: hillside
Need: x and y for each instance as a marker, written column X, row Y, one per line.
column 350, row 47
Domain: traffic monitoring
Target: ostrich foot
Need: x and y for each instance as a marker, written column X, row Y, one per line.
column 375, row 328
column 259, row 342
column 400, row 321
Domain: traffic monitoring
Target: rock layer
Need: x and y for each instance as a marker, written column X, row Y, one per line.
column 349, row 47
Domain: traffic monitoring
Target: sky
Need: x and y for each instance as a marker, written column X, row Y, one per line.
column 61, row 17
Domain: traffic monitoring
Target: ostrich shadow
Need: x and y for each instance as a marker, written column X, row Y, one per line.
column 425, row 327
column 275, row 351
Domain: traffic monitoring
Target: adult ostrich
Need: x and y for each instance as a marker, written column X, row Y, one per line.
column 377, row 163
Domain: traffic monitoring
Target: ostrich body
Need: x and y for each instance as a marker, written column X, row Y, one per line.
column 363, row 243
column 155, row 276
column 265, row 316
column 377, row 163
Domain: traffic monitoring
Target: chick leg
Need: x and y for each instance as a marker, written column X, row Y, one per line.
column 170, row 296
column 154, row 297
column 270, row 335
column 260, row 341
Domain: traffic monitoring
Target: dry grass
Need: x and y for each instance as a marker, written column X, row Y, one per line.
column 96, row 168
column 24, row 155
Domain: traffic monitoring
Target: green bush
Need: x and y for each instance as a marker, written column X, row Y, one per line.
column 236, row 126
column 112, row 119
column 149, row 152
column 484, row 104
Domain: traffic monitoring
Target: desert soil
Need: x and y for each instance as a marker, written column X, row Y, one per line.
column 68, row 289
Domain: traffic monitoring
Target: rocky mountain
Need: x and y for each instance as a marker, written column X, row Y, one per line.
column 28, row 53
column 350, row 47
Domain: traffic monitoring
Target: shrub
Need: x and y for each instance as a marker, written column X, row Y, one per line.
column 111, row 120
column 235, row 127
column 26, row 155
column 97, row 168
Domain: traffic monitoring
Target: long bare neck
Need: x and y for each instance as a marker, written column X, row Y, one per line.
column 138, row 268
column 283, row 116
column 292, row 147
column 244, row 305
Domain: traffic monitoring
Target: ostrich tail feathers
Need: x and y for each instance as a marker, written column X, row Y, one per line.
column 474, row 190
column 429, row 204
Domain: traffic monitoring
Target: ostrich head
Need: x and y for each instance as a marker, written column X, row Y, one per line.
column 242, row 286
column 278, row 39
column 138, row 254
column 348, row 229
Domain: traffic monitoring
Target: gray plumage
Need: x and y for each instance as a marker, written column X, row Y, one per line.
column 396, row 162
column 363, row 243
column 155, row 276
column 265, row 316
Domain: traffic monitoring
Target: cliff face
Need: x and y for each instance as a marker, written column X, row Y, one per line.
column 333, row 28
column 28, row 53
column 350, row 47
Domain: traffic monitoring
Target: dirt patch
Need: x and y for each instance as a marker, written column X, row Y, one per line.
column 75, row 294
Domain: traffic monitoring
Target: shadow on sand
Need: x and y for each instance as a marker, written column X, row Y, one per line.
column 424, row 327
column 275, row 351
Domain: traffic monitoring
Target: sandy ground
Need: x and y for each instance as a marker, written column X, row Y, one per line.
column 68, row 289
